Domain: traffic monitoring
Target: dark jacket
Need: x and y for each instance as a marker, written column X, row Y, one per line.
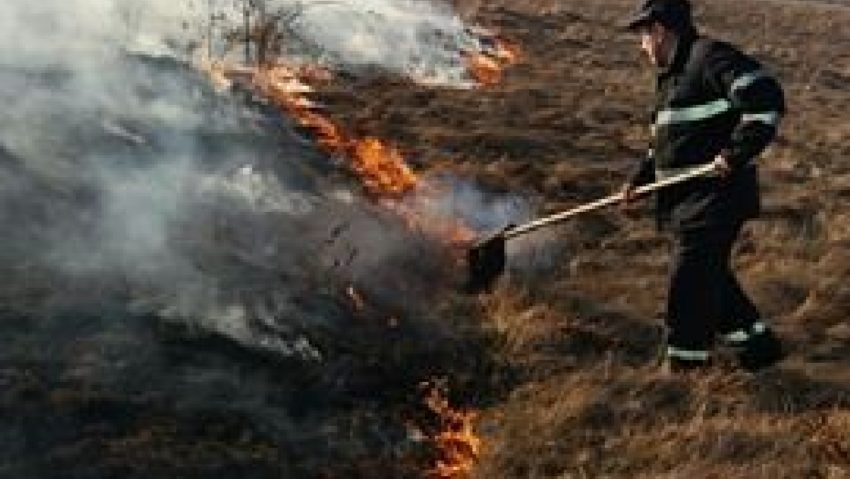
column 712, row 99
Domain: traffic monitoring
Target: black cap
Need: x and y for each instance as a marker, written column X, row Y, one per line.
column 673, row 14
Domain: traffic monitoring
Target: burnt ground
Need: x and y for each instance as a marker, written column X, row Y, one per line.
column 560, row 360
column 231, row 348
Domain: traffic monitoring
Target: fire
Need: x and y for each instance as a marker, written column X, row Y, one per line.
column 484, row 69
column 380, row 167
column 457, row 444
column 487, row 66
column 384, row 174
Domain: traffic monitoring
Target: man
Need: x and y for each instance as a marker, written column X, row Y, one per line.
column 713, row 104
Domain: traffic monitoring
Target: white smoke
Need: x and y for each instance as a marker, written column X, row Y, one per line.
column 418, row 39
column 129, row 190
column 122, row 167
column 451, row 200
column 425, row 41
column 121, row 161
column 71, row 31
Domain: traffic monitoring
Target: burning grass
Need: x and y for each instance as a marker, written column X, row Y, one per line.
column 457, row 444
column 380, row 168
column 385, row 176
column 487, row 67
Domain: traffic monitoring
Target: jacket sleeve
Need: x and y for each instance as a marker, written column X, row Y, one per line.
column 644, row 170
column 753, row 92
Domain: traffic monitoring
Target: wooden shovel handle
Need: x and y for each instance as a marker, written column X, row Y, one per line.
column 608, row 200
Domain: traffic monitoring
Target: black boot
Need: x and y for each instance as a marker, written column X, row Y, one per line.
column 761, row 350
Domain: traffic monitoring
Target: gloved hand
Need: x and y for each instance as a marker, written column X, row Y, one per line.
column 722, row 166
column 628, row 195
column 628, row 200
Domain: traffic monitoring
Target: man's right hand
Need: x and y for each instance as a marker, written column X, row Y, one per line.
column 628, row 194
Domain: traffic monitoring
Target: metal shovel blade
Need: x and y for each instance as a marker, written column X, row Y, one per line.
column 486, row 262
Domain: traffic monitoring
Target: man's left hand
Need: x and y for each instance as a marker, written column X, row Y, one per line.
column 721, row 166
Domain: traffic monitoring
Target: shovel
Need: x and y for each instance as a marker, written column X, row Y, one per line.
column 487, row 257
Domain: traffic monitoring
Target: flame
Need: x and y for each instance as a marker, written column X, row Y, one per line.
column 487, row 66
column 458, row 446
column 380, row 167
column 421, row 212
column 484, row 69
column 384, row 174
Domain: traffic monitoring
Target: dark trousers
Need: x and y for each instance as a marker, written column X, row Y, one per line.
column 704, row 298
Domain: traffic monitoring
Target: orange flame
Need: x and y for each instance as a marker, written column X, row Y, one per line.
column 458, row 446
column 487, row 66
column 381, row 168
column 484, row 69
column 385, row 174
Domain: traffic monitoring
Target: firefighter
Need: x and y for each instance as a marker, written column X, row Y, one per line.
column 715, row 104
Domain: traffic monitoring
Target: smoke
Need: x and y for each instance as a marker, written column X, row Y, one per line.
column 425, row 41
column 70, row 32
column 450, row 200
column 417, row 39
column 132, row 195
column 127, row 179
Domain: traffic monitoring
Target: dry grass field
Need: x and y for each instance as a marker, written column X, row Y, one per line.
column 581, row 337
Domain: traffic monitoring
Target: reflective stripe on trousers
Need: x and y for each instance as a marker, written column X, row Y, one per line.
column 768, row 118
column 686, row 354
